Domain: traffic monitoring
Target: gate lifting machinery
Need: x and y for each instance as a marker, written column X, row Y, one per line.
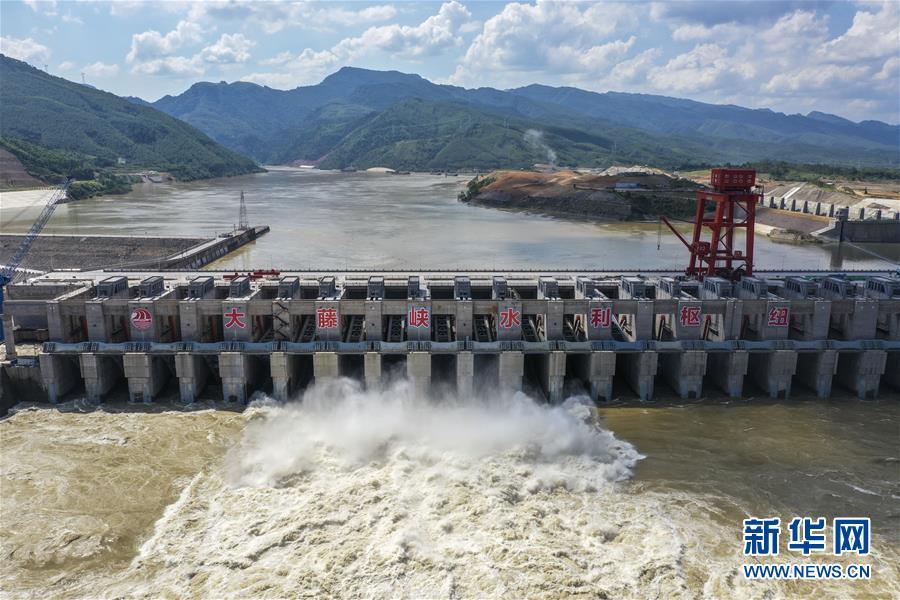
column 8, row 272
column 734, row 196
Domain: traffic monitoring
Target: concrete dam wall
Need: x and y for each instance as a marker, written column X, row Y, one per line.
column 203, row 333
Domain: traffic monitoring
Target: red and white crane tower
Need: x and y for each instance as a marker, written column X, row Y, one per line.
column 733, row 197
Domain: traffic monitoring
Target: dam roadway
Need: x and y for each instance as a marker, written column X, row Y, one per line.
column 207, row 332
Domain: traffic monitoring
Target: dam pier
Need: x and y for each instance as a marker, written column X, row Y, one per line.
column 207, row 334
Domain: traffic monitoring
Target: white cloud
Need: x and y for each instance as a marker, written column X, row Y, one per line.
column 704, row 67
column 432, row 36
column 890, row 71
column 524, row 39
column 175, row 66
column 435, row 33
column 101, row 69
column 152, row 44
column 128, row 8
column 47, row 7
column 309, row 66
column 66, row 65
column 789, row 64
column 72, row 19
column 872, row 35
column 633, row 70
column 819, row 77
column 279, row 59
column 26, row 49
column 710, row 13
column 230, row 48
column 720, row 32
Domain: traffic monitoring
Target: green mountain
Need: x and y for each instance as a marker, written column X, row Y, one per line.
column 425, row 135
column 661, row 114
column 357, row 117
column 58, row 128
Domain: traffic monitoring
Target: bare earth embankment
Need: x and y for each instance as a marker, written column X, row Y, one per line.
column 13, row 174
column 590, row 196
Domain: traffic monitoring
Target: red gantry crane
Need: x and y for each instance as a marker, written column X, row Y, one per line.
column 733, row 197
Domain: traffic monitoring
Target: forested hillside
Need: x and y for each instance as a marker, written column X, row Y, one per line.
column 58, row 128
column 361, row 118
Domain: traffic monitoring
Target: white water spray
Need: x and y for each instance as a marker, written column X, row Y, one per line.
column 341, row 425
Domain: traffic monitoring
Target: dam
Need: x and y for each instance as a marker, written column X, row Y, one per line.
column 231, row 334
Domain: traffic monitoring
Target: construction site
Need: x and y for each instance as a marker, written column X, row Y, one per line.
column 806, row 210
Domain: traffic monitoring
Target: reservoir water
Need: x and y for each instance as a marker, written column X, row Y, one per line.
column 334, row 220
column 384, row 494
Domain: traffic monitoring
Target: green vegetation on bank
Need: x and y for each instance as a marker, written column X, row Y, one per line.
column 810, row 172
column 58, row 128
column 105, row 183
column 54, row 166
column 46, row 164
column 473, row 188
column 816, row 172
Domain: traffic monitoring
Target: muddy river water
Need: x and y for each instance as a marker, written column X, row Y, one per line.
column 335, row 220
column 381, row 493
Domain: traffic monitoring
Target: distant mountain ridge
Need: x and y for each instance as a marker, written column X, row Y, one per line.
column 59, row 128
column 343, row 122
column 664, row 114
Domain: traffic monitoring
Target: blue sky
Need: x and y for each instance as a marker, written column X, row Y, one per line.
column 791, row 56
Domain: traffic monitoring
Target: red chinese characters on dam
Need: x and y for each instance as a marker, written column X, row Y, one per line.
column 601, row 318
column 778, row 316
column 510, row 318
column 690, row 316
column 326, row 318
column 419, row 317
column 234, row 317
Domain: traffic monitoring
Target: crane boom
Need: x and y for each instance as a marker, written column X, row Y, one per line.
column 8, row 272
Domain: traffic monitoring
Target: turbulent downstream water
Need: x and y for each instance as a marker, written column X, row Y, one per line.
column 383, row 494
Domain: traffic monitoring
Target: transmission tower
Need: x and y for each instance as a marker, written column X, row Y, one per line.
column 242, row 216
